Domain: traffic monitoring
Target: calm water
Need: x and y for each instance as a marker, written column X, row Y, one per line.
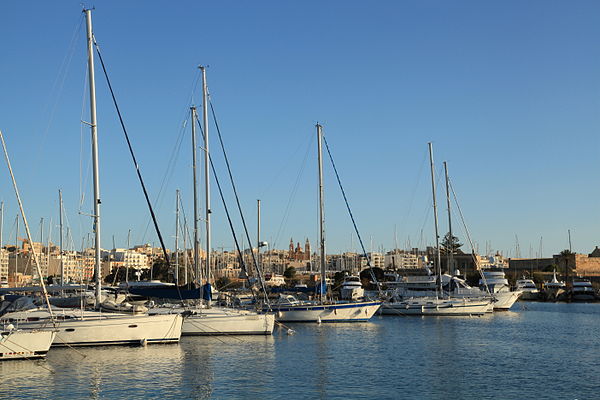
column 538, row 350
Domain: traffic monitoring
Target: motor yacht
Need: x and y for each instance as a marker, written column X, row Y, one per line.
column 352, row 289
column 529, row 289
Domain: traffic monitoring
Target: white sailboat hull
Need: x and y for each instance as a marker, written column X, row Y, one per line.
column 339, row 312
column 221, row 321
column 437, row 307
column 91, row 328
column 25, row 344
column 225, row 324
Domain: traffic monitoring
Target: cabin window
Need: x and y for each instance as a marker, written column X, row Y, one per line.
column 132, row 326
column 70, row 330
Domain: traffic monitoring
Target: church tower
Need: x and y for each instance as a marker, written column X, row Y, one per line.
column 307, row 250
column 291, row 247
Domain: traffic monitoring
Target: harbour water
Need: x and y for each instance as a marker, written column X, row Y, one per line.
column 542, row 350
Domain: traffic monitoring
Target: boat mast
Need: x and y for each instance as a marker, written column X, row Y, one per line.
column 435, row 218
column 177, row 237
column 94, row 131
column 1, row 221
column 128, row 248
column 450, row 251
column 206, row 169
column 321, row 211
column 17, row 245
column 196, row 251
column 60, row 242
column 258, row 235
column 41, row 240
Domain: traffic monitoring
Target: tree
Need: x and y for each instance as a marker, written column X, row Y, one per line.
column 289, row 273
column 565, row 255
column 222, row 282
column 450, row 243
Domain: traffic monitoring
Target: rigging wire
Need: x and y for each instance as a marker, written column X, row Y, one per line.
column 176, row 150
column 237, row 199
column 468, row 236
column 352, row 217
column 172, row 163
column 414, row 191
column 136, row 165
column 229, row 220
column 291, row 199
column 58, row 86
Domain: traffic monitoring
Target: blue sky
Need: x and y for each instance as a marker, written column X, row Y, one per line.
column 508, row 92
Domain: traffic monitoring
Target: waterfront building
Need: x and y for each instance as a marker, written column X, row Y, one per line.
column 3, row 267
column 580, row 264
column 400, row 259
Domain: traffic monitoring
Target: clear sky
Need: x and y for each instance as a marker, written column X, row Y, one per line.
column 508, row 92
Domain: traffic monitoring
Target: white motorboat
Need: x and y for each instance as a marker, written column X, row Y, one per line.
column 582, row 290
column 554, row 289
column 274, row 280
column 289, row 309
column 495, row 281
column 18, row 344
column 93, row 328
column 352, row 289
column 529, row 289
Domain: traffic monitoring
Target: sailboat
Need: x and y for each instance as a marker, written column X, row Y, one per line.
column 92, row 328
column 18, row 343
column 289, row 309
column 206, row 319
column 439, row 303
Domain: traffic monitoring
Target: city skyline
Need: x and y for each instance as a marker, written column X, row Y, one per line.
column 509, row 100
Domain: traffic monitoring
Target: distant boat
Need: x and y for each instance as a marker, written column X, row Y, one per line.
column 582, row 290
column 352, row 289
column 529, row 289
column 495, row 280
column 554, row 290
column 274, row 280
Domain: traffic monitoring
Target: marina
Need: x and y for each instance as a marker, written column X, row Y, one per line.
column 163, row 269
column 357, row 360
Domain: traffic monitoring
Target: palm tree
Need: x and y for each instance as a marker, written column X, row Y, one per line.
column 565, row 255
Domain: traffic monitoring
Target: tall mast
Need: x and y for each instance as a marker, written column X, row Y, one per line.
column 435, row 217
column 128, row 248
column 94, row 131
column 60, row 245
column 48, row 243
column 321, row 211
column 41, row 240
column 17, row 245
column 206, row 169
column 450, row 252
column 1, row 221
column 177, row 237
column 185, row 250
column 195, row 190
column 258, row 235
